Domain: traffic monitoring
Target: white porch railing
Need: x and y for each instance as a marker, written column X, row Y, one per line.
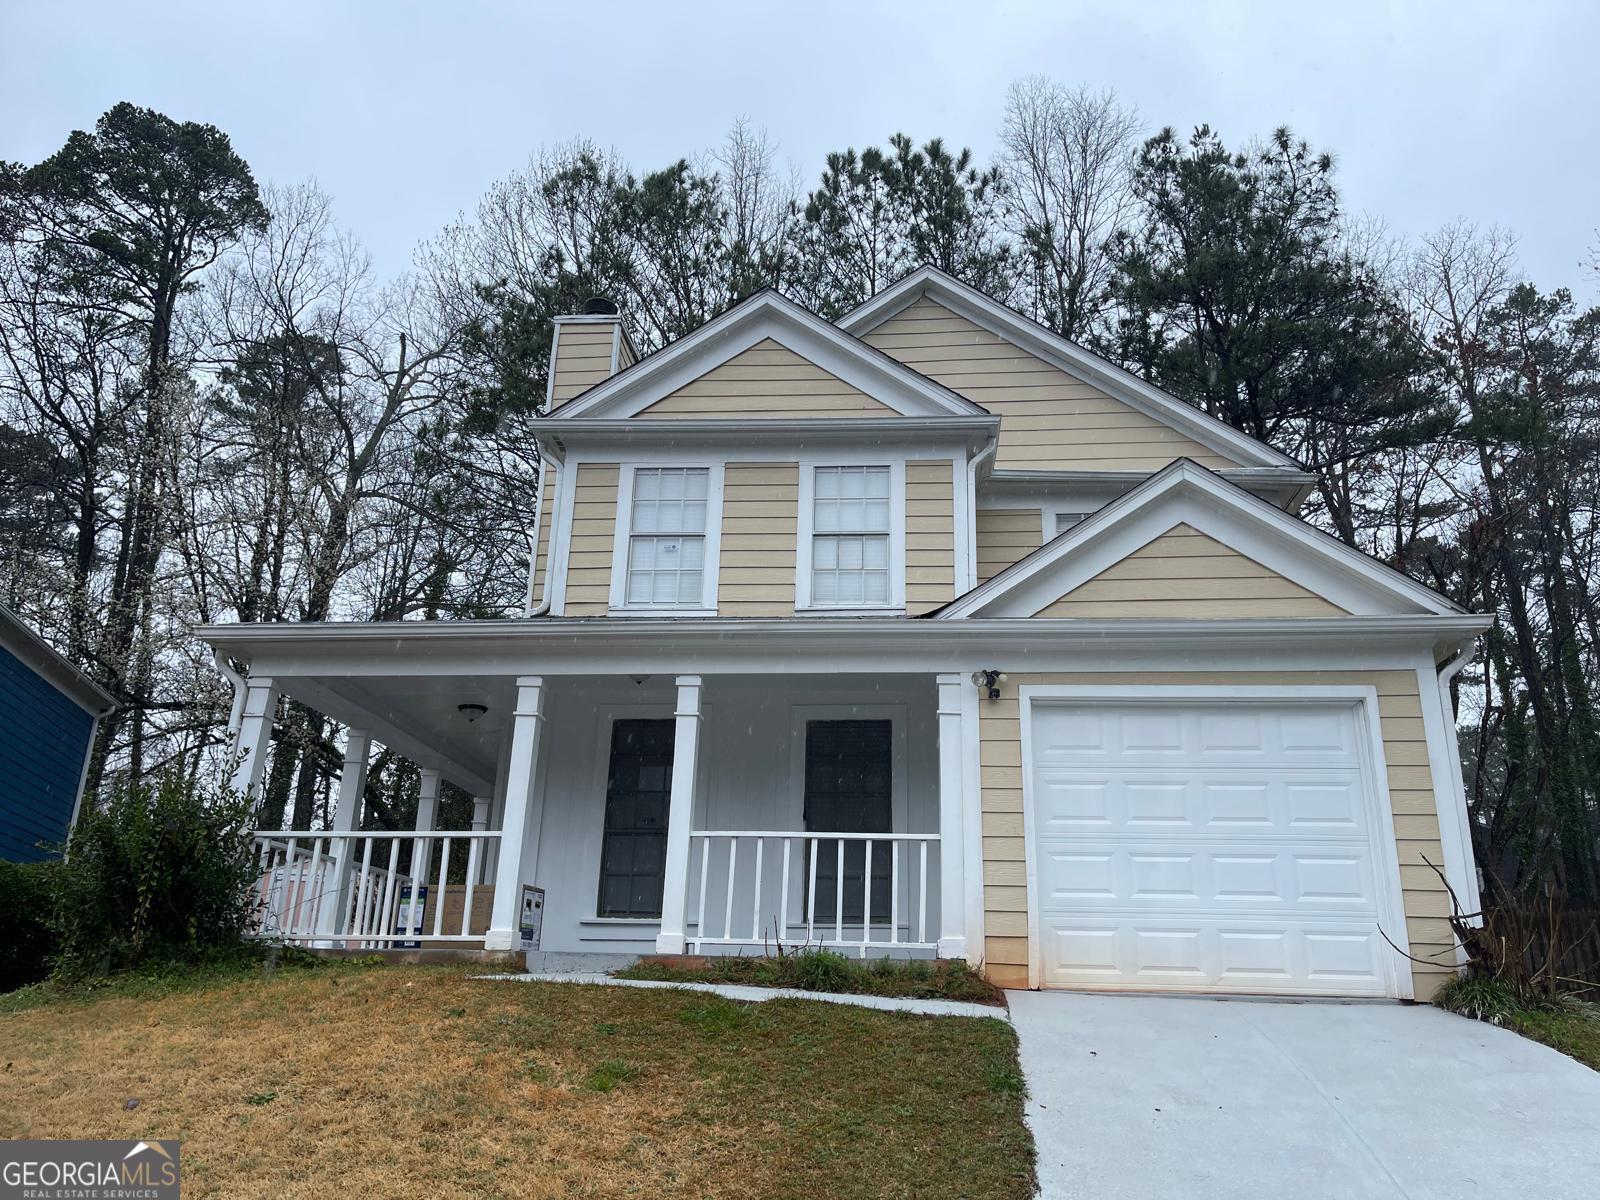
column 771, row 880
column 300, row 880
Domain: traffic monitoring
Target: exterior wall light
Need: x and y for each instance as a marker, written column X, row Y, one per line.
column 472, row 711
column 988, row 682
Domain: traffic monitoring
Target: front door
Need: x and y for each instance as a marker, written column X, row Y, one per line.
column 848, row 787
column 633, row 848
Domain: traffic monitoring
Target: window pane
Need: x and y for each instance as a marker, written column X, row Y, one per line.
column 667, row 549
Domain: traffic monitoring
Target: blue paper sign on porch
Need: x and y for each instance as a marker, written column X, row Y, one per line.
column 408, row 915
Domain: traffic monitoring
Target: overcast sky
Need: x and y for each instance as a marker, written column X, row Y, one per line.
column 406, row 113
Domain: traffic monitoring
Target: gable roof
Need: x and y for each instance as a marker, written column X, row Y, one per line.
column 767, row 315
column 1186, row 492
column 1065, row 355
column 41, row 658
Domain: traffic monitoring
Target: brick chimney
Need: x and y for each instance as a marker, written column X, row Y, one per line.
column 587, row 348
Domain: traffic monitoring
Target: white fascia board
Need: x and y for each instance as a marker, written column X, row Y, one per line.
column 768, row 315
column 1284, row 488
column 1285, row 543
column 1066, row 355
column 787, row 434
column 841, row 645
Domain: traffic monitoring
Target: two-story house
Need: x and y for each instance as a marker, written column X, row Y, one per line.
column 922, row 632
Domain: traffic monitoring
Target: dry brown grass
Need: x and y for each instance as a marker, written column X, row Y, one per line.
column 417, row 1081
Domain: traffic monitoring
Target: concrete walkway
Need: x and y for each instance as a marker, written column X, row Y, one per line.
column 735, row 991
column 1137, row 1096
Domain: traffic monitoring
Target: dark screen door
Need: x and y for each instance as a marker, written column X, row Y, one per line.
column 633, row 849
column 848, row 789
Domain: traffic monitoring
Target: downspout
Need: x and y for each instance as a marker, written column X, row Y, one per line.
column 529, row 608
column 978, row 459
column 236, row 716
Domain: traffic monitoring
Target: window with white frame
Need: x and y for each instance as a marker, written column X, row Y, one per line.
column 667, row 537
column 850, row 537
column 1066, row 520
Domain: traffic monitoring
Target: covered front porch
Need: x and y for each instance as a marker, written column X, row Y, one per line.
column 660, row 812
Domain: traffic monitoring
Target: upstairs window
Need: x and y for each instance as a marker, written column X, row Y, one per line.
column 667, row 538
column 850, row 538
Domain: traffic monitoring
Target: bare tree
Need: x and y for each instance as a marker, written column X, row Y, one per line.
column 1069, row 165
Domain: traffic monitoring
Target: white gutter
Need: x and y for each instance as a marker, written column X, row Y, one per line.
column 1468, row 885
column 236, row 715
column 529, row 608
column 990, row 449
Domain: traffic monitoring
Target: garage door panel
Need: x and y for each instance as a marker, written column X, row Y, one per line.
column 1140, row 801
column 1205, row 846
column 1211, row 735
column 1229, row 956
column 1222, row 878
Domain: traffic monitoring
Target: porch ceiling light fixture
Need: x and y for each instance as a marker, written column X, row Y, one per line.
column 988, row 682
column 472, row 711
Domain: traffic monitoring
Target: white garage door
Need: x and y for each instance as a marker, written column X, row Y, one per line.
column 1213, row 846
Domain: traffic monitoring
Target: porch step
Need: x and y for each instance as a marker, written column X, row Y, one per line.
column 574, row 962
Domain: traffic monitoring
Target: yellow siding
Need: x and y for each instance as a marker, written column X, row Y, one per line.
column 1185, row 574
column 760, row 503
column 767, row 381
column 1410, row 792
column 583, row 359
column 594, row 532
column 1005, row 536
column 1048, row 419
column 930, row 536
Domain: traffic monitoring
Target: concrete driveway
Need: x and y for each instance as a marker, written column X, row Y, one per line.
column 1143, row 1096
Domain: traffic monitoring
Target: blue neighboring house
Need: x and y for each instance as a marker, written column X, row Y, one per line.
column 48, row 713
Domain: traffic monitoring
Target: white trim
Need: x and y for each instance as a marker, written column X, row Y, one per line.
column 618, row 599
column 1449, row 793
column 83, row 774
column 763, row 435
column 769, row 315
column 550, row 373
column 805, row 532
column 616, row 346
column 1067, row 356
column 965, row 527
column 952, row 714
column 1188, row 493
column 671, row 939
column 1390, row 894
column 826, row 643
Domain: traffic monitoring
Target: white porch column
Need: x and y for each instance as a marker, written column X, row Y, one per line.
column 680, row 816
column 952, row 857
column 335, row 912
column 519, row 848
column 427, row 818
column 480, row 824
column 255, row 732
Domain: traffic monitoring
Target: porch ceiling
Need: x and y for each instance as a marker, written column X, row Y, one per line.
column 419, row 716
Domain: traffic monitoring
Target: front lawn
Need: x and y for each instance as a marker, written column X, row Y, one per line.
column 1574, row 1030
column 368, row 1080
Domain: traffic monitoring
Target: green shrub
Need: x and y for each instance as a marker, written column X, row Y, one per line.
column 27, row 936
column 821, row 971
column 157, row 873
column 1491, row 1000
